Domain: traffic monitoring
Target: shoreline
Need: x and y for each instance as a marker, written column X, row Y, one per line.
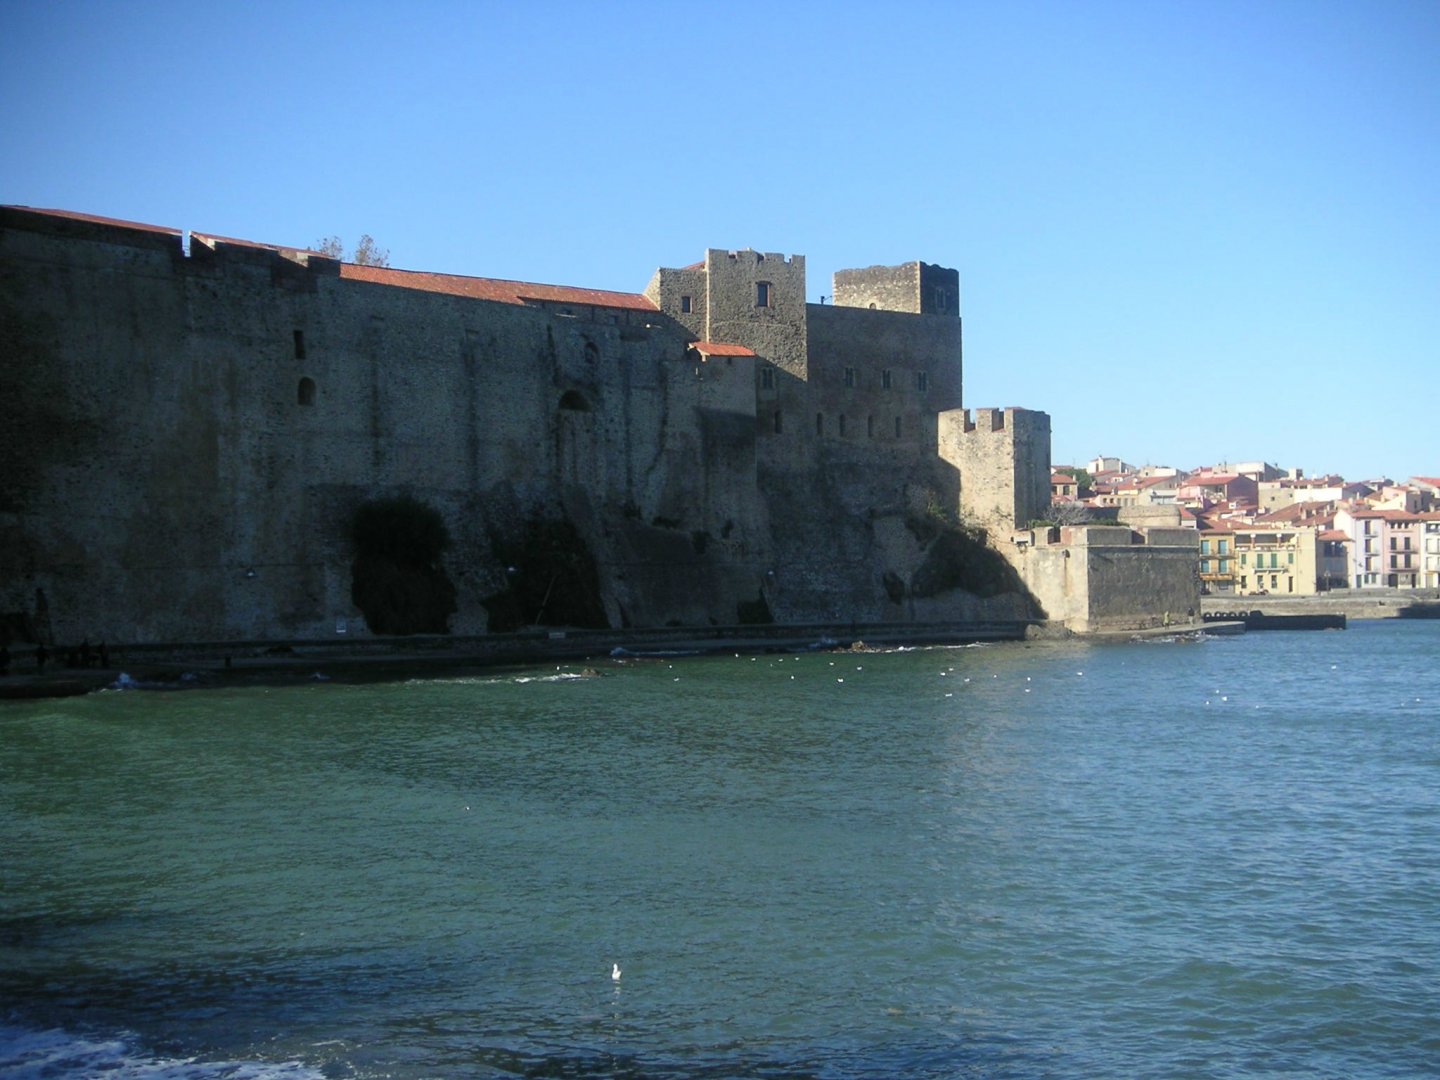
column 186, row 666
column 373, row 659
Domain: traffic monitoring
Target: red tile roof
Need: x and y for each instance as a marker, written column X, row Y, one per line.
column 93, row 219
column 720, row 348
column 496, row 289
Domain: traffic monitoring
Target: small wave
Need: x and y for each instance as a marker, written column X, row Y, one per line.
column 620, row 652
column 124, row 681
column 32, row 1055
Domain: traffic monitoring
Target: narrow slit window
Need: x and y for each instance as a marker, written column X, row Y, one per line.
column 762, row 294
column 685, row 305
column 299, row 344
column 305, row 393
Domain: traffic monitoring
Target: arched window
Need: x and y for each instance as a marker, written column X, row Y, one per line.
column 305, row 394
column 592, row 353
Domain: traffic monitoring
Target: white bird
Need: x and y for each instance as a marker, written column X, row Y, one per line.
column 615, row 972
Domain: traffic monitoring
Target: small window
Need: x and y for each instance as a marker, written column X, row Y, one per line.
column 842, row 425
column 897, row 427
column 819, row 423
column 850, row 376
column 767, row 378
column 1224, row 566
column 299, row 344
column 922, row 381
column 305, row 394
column 885, row 379
column 777, row 421
column 870, row 427
column 1204, row 547
column 1224, row 546
column 685, row 305
column 762, row 294
column 1204, row 566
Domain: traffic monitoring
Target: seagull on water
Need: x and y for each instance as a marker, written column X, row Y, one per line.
column 615, row 972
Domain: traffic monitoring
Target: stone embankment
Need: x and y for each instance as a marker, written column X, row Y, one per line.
column 1411, row 604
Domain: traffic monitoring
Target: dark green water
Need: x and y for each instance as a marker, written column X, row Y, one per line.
column 1171, row 860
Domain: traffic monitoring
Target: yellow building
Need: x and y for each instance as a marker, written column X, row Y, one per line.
column 1260, row 560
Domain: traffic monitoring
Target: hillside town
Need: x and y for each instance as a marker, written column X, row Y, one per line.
column 1268, row 531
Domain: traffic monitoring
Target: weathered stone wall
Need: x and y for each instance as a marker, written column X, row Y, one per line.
column 1003, row 456
column 775, row 330
column 1099, row 578
column 193, row 432
column 681, row 294
column 939, row 290
column 880, row 288
column 209, row 423
column 917, row 288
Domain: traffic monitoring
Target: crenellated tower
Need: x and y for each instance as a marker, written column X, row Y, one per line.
column 1003, row 457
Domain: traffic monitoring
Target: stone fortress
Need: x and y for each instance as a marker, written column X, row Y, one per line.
column 195, row 422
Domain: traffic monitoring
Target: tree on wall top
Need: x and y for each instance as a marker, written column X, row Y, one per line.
column 366, row 252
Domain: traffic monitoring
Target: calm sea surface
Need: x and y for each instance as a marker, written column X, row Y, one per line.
column 1212, row 859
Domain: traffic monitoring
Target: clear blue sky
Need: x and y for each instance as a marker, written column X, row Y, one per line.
column 1190, row 231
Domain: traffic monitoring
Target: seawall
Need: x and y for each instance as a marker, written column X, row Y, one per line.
column 1420, row 603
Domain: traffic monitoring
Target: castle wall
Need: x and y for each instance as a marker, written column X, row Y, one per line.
column 682, row 295
column 772, row 324
column 1003, row 456
column 195, row 429
column 887, row 375
column 200, row 429
column 1109, row 578
column 880, row 288
column 917, row 288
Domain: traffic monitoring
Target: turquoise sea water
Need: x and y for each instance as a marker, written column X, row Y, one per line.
column 1212, row 859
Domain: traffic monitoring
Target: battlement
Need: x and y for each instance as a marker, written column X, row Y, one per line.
column 1010, row 419
column 750, row 254
column 1003, row 457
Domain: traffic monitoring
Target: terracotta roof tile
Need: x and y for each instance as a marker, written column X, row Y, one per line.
column 496, row 289
column 92, row 219
column 720, row 348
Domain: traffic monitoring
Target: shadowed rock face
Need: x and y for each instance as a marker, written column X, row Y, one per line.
column 552, row 580
column 397, row 581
